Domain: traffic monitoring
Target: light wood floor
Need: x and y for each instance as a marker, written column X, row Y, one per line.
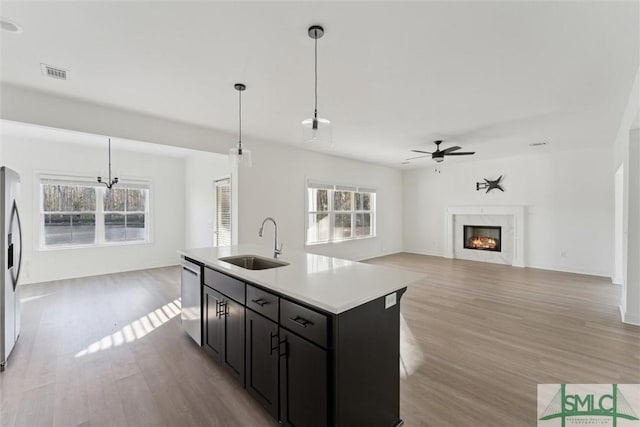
column 476, row 340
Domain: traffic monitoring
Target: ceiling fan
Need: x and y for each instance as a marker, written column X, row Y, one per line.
column 438, row 155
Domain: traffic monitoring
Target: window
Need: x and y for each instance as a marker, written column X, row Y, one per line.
column 223, row 213
column 75, row 212
column 336, row 213
column 69, row 213
column 124, row 214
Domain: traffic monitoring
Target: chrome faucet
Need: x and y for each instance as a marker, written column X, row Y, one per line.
column 277, row 250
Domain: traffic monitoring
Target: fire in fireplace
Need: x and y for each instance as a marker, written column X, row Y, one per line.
column 483, row 237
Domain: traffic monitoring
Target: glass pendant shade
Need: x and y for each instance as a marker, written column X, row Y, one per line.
column 239, row 157
column 317, row 132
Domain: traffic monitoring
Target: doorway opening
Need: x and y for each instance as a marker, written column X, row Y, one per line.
column 618, row 266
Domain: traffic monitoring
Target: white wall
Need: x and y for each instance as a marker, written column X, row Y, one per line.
column 275, row 187
column 167, row 175
column 623, row 155
column 1, row 150
column 632, row 300
column 568, row 199
column 201, row 170
column 618, row 232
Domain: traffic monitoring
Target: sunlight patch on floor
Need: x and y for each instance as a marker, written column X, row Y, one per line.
column 136, row 329
column 411, row 355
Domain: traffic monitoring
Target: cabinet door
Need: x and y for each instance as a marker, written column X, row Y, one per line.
column 262, row 361
column 234, row 338
column 213, row 322
column 303, row 382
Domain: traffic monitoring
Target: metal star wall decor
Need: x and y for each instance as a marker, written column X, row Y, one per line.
column 489, row 185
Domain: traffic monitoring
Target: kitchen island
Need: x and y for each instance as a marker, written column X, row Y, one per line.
column 316, row 339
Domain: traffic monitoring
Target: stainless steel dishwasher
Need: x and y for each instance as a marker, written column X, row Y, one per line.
column 191, row 314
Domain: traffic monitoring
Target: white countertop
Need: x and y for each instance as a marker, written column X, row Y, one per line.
column 332, row 284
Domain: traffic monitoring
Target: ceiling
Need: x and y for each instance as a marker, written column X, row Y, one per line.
column 393, row 76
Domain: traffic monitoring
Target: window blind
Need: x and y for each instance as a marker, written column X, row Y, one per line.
column 324, row 186
column 223, row 212
column 91, row 181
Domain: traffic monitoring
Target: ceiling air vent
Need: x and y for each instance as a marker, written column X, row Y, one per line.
column 53, row 72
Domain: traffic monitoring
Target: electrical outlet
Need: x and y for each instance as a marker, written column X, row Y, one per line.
column 390, row 300
column 563, row 254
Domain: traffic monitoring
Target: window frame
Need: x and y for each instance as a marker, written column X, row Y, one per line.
column 332, row 188
column 100, row 192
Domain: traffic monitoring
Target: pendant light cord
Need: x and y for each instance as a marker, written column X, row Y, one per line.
column 315, row 113
column 240, row 121
column 110, row 181
column 109, row 160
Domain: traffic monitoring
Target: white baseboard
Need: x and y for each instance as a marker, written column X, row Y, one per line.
column 541, row 267
column 422, row 252
column 571, row 270
column 384, row 253
column 621, row 309
column 629, row 318
column 82, row 276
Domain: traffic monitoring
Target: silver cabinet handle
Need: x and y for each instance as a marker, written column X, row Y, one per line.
column 301, row 321
column 260, row 301
column 184, row 267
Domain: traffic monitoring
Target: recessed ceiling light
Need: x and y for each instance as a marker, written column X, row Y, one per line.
column 537, row 144
column 9, row 26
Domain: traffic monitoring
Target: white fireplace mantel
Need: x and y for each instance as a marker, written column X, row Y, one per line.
column 517, row 212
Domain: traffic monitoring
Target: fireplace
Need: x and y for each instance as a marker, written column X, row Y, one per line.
column 483, row 237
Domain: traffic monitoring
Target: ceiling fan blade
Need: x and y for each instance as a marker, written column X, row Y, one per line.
column 420, row 151
column 419, row 157
column 450, row 149
column 464, row 153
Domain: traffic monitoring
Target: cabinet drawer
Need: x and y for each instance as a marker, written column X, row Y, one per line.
column 262, row 302
column 303, row 321
column 233, row 288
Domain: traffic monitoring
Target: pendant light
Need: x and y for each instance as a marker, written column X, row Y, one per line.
column 111, row 182
column 239, row 156
column 316, row 130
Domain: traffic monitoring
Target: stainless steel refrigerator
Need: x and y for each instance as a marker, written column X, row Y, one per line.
column 11, row 253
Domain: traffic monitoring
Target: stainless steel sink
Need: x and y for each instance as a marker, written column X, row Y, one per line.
column 253, row 262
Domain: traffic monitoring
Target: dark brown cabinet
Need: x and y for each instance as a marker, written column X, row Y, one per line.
column 234, row 339
column 262, row 361
column 213, row 322
column 303, row 382
column 224, row 331
column 306, row 366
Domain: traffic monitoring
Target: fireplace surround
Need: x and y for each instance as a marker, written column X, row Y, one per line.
column 512, row 220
